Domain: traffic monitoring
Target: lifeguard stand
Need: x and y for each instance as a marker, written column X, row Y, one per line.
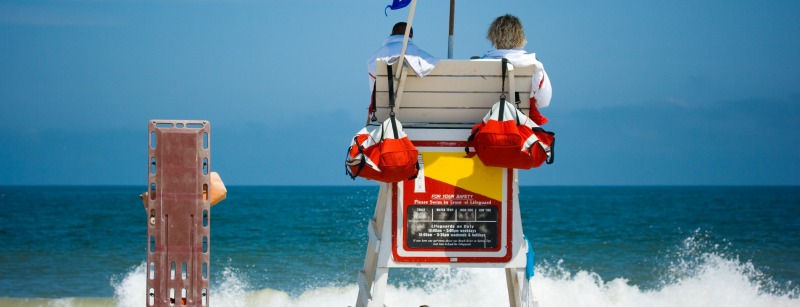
column 179, row 219
column 457, row 212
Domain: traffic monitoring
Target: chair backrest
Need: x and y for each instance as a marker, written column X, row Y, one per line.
column 455, row 92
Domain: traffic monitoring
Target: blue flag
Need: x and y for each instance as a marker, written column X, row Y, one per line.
column 396, row 5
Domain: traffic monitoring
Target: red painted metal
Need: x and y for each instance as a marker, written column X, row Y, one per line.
column 178, row 213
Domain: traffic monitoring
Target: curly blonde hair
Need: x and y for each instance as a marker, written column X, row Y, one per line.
column 506, row 33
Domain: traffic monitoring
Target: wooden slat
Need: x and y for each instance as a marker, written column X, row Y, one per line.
column 446, row 100
column 455, row 84
column 464, row 67
column 437, row 115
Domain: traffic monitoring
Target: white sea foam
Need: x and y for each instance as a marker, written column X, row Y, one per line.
column 720, row 282
column 698, row 276
column 130, row 291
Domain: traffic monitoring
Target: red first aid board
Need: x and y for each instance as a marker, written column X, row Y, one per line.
column 457, row 210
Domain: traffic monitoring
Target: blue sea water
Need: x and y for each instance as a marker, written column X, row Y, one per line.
column 303, row 246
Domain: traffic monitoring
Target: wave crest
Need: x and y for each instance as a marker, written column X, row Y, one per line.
column 699, row 272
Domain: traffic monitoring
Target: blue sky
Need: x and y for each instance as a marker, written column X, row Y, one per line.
column 645, row 92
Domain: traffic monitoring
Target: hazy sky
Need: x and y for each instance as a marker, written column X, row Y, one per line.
column 644, row 92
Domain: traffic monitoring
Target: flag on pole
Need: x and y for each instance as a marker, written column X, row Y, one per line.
column 396, row 5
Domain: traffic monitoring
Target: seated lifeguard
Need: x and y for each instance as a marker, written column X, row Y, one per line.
column 418, row 60
column 508, row 37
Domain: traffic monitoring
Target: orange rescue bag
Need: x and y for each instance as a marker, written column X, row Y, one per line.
column 508, row 138
column 385, row 154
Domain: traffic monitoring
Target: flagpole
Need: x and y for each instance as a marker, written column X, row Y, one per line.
column 406, row 37
column 450, row 37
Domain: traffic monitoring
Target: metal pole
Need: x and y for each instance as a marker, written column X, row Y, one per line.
column 450, row 34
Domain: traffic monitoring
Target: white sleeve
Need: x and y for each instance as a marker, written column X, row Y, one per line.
column 541, row 89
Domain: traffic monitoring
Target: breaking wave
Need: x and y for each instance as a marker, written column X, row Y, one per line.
column 698, row 273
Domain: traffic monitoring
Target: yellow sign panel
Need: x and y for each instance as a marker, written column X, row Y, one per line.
column 456, row 210
column 470, row 174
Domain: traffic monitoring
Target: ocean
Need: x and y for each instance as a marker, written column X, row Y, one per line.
column 303, row 246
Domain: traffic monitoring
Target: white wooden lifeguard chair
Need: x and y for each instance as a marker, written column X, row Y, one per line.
column 457, row 213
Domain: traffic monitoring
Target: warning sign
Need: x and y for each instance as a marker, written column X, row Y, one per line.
column 456, row 209
column 473, row 227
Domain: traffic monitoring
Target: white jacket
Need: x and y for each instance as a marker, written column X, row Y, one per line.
column 418, row 60
column 541, row 90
